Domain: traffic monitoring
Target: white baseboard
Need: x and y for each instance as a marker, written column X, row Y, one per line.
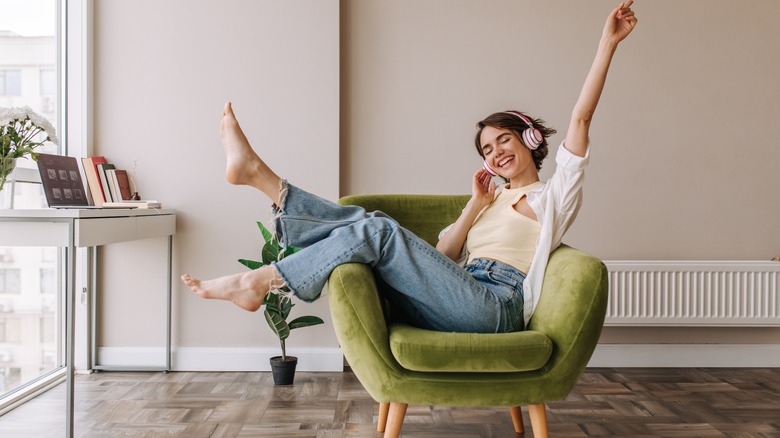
column 131, row 356
column 686, row 356
column 331, row 359
column 220, row 359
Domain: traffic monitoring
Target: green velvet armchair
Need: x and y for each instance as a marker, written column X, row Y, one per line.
column 398, row 364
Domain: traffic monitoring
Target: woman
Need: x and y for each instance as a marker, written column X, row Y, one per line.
column 499, row 288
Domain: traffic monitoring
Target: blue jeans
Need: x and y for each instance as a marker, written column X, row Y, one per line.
column 431, row 290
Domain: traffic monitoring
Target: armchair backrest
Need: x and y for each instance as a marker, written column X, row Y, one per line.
column 424, row 215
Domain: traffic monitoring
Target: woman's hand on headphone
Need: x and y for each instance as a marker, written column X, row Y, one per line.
column 483, row 188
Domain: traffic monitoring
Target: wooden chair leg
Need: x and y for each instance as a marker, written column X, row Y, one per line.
column 517, row 418
column 538, row 416
column 384, row 408
column 395, row 420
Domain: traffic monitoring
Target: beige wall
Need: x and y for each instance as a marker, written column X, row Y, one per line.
column 683, row 164
column 163, row 71
column 684, row 158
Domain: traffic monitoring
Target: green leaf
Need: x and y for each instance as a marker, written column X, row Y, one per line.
column 286, row 305
column 251, row 264
column 271, row 302
column 277, row 324
column 267, row 235
column 270, row 252
column 290, row 250
column 278, row 306
column 305, row 321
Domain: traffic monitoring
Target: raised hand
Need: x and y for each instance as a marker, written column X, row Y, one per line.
column 620, row 23
column 482, row 187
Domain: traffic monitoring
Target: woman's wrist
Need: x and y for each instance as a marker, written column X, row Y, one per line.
column 475, row 205
column 608, row 44
column 475, row 201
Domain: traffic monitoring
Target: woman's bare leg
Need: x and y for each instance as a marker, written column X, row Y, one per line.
column 244, row 166
column 246, row 290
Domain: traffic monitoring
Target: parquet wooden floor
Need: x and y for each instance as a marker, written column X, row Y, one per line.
column 626, row 402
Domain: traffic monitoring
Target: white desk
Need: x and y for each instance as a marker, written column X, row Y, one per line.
column 80, row 229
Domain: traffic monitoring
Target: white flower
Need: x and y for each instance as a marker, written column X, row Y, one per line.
column 17, row 113
column 42, row 122
column 19, row 128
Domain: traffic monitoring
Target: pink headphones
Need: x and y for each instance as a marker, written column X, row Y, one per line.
column 531, row 137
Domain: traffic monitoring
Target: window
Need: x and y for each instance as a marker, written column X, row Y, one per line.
column 12, row 331
column 11, row 82
column 10, row 281
column 48, row 281
column 10, row 377
column 31, row 65
column 30, row 62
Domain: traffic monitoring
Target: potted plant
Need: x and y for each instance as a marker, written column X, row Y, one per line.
column 278, row 304
column 19, row 136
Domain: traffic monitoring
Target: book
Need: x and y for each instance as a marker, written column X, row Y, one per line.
column 102, row 168
column 123, row 183
column 133, row 204
column 113, row 185
column 93, row 181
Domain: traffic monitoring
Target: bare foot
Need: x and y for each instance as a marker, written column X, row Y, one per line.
column 244, row 166
column 246, row 290
column 242, row 161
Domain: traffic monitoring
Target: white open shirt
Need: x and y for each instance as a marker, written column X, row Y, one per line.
column 556, row 203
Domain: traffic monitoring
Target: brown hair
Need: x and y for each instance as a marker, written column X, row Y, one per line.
column 507, row 120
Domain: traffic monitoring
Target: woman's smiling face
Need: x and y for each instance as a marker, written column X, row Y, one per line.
column 505, row 153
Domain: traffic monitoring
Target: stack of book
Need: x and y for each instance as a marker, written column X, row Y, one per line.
column 109, row 186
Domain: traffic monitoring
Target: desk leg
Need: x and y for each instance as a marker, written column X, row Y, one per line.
column 95, row 304
column 92, row 305
column 168, row 321
column 70, row 332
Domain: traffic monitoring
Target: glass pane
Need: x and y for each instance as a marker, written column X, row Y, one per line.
column 30, row 278
column 29, row 76
column 29, row 314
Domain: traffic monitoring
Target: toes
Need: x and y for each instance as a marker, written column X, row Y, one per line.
column 189, row 281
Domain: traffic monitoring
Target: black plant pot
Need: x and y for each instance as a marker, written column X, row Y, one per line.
column 283, row 370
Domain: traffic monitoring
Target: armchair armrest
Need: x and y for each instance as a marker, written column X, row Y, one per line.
column 571, row 310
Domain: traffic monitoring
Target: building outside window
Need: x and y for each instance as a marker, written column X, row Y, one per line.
column 30, row 278
column 9, row 281
column 11, row 82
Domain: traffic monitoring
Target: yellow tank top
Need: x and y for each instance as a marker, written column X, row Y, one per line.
column 501, row 233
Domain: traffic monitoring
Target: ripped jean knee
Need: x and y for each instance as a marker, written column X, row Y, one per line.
column 276, row 213
column 279, row 285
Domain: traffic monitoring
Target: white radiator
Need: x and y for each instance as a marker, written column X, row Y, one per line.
column 699, row 293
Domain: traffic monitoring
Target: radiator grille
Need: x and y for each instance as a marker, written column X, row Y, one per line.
column 669, row 293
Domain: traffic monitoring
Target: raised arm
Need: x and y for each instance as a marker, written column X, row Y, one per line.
column 620, row 23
